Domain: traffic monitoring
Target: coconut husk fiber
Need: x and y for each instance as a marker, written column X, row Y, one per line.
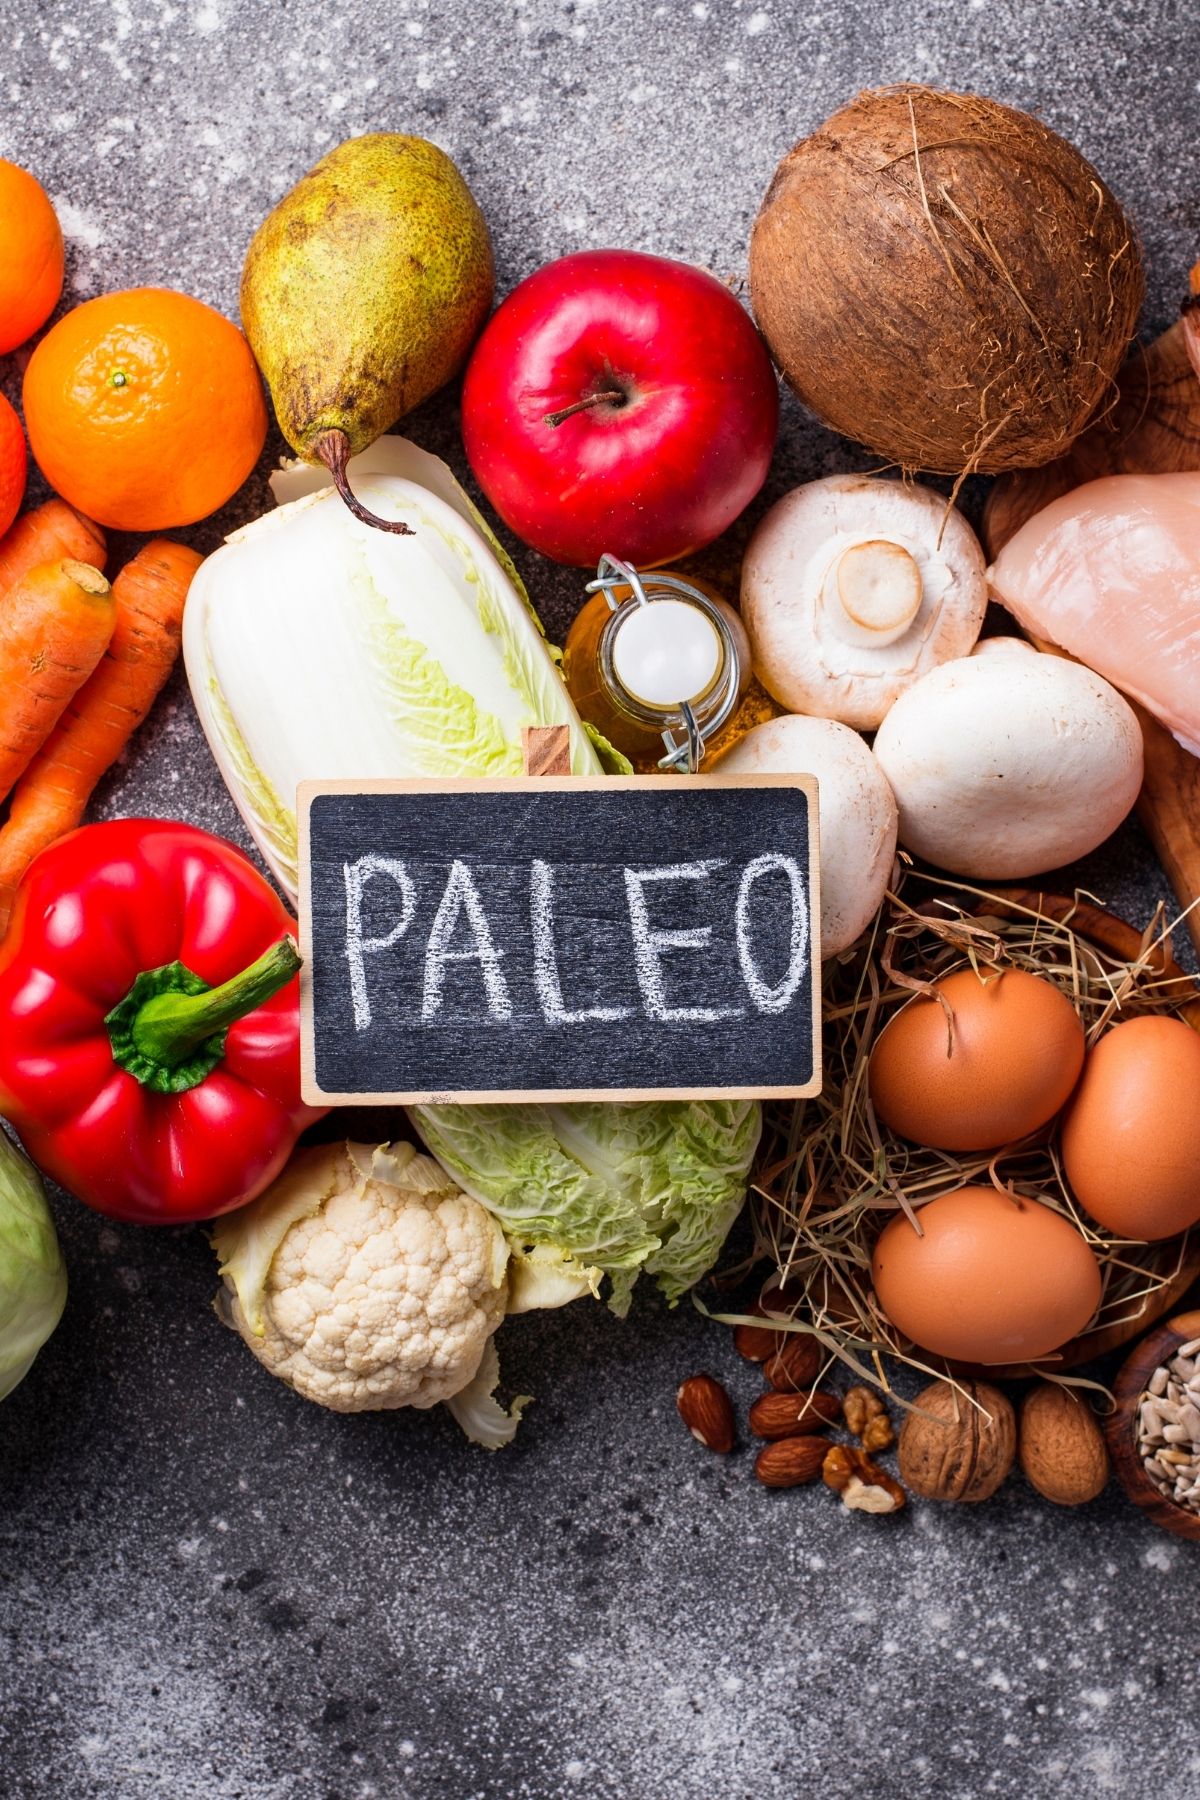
column 946, row 280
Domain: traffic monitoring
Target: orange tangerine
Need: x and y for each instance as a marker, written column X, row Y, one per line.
column 12, row 465
column 144, row 409
column 31, row 256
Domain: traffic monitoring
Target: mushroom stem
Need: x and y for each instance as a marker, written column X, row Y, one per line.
column 876, row 588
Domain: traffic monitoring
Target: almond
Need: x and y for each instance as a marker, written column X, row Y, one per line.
column 758, row 1342
column 782, row 1415
column 795, row 1365
column 755, row 1342
column 790, row 1462
column 780, row 1299
column 707, row 1411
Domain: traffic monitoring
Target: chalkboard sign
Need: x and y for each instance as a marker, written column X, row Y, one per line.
column 559, row 939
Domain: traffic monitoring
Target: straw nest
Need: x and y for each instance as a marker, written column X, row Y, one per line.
column 830, row 1176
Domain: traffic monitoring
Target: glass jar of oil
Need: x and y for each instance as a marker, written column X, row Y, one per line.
column 660, row 664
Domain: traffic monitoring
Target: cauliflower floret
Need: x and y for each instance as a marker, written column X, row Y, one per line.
column 365, row 1279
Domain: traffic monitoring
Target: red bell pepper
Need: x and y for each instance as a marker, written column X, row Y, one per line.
column 149, row 1022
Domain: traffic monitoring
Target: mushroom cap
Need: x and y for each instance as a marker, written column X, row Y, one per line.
column 1010, row 762
column 807, row 653
column 856, row 811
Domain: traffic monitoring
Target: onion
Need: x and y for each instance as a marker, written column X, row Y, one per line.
column 946, row 280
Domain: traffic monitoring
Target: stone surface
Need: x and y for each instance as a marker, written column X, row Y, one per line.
column 210, row 1589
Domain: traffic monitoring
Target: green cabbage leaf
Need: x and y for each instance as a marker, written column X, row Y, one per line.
column 33, row 1280
column 622, row 1188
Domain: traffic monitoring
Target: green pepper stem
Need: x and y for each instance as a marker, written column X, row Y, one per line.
column 170, row 1027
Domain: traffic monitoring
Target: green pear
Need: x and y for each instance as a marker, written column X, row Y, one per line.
column 362, row 293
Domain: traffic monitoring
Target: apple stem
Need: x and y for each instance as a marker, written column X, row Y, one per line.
column 612, row 394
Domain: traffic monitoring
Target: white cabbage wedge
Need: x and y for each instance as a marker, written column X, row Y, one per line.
column 33, row 1280
column 320, row 649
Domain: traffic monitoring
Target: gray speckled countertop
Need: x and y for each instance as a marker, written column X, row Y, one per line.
column 211, row 1591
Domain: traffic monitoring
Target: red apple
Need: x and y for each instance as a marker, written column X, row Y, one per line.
column 620, row 402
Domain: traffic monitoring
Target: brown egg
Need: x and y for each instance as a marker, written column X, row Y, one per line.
column 993, row 1280
column 1017, row 1051
column 1131, row 1136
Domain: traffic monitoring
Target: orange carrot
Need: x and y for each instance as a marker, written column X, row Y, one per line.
column 54, row 628
column 51, row 795
column 47, row 534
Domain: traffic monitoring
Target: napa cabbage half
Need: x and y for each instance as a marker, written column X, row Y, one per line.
column 33, row 1281
column 318, row 648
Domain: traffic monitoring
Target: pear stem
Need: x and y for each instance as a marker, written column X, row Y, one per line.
column 556, row 418
column 333, row 449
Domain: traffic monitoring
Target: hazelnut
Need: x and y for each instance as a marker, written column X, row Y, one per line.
column 958, row 1443
column 1062, row 1447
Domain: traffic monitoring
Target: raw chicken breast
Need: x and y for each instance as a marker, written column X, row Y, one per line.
column 1111, row 572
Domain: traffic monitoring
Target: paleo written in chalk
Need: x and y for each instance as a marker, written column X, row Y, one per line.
column 462, row 932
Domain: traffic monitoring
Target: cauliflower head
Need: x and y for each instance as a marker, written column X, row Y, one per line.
column 366, row 1279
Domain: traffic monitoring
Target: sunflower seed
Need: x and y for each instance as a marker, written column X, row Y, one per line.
column 1168, row 1427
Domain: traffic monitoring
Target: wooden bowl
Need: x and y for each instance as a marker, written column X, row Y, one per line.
column 1122, row 941
column 1157, row 1348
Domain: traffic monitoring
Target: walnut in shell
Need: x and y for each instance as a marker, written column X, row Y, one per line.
column 1062, row 1447
column 958, row 1444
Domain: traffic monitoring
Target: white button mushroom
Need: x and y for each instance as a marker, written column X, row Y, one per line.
column 1010, row 762
column 853, row 588
column 855, row 806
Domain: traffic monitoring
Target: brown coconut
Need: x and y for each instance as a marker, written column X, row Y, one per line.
column 946, row 280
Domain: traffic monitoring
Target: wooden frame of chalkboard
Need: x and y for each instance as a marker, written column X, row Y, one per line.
column 804, row 1048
